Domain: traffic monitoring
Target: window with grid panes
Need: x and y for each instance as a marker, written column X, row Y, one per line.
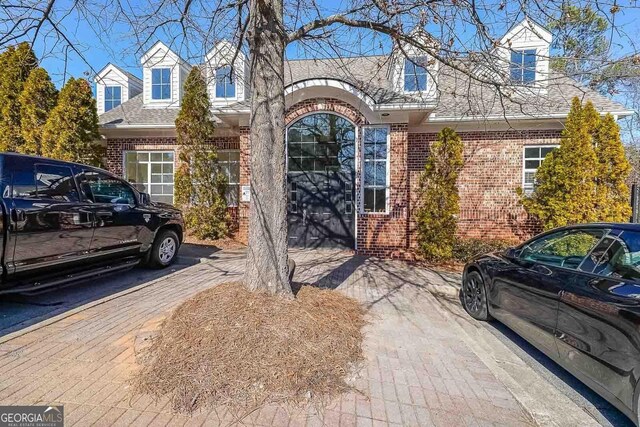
column 533, row 157
column 151, row 172
column 523, row 66
column 375, row 184
column 229, row 164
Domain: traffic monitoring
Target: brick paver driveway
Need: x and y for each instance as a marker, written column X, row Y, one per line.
column 418, row 370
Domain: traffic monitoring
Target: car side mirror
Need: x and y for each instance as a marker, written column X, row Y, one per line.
column 145, row 199
column 512, row 253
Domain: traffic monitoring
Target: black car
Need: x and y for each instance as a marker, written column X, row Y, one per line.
column 64, row 221
column 574, row 293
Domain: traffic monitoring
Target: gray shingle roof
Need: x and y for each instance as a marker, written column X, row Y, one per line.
column 368, row 73
column 462, row 97
column 459, row 96
column 133, row 112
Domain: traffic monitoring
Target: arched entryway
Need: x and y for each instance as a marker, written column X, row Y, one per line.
column 321, row 181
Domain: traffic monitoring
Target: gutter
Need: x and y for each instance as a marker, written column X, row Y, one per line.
column 405, row 106
column 230, row 111
column 494, row 117
column 139, row 126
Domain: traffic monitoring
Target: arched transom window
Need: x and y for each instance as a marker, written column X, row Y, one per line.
column 321, row 142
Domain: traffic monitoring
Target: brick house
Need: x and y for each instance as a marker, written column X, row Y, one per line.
column 358, row 135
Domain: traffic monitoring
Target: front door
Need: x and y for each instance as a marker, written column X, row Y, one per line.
column 321, row 181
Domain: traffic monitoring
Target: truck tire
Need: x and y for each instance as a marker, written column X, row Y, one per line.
column 164, row 251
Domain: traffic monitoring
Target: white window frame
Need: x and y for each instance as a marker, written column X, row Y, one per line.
column 149, row 163
column 521, row 67
column 112, row 99
column 404, row 74
column 524, row 162
column 235, row 82
column 228, row 177
column 160, row 100
column 361, row 171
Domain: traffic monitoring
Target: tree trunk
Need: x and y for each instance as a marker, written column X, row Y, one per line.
column 267, row 258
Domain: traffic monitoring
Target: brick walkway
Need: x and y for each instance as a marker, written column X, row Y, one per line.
column 418, row 371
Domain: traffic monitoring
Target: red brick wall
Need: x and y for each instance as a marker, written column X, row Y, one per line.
column 324, row 104
column 489, row 206
column 117, row 147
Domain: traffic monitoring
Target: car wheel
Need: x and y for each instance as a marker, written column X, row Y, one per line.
column 474, row 296
column 164, row 250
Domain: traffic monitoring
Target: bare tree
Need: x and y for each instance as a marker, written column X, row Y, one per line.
column 461, row 35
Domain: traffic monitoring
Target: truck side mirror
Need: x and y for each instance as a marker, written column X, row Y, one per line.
column 145, row 199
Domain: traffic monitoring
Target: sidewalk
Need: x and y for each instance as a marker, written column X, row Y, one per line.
column 419, row 371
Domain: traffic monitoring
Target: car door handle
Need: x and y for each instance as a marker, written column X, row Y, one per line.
column 104, row 214
column 18, row 215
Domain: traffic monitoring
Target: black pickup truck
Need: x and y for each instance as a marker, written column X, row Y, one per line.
column 63, row 222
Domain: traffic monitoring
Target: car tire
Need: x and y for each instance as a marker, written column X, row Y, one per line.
column 164, row 251
column 474, row 296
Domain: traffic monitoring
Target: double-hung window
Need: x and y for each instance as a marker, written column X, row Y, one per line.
column 151, row 172
column 415, row 74
column 229, row 165
column 225, row 83
column 533, row 157
column 375, row 177
column 112, row 97
column 523, row 66
column 161, row 83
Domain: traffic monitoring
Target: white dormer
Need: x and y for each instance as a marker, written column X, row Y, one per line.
column 414, row 71
column 163, row 74
column 226, row 81
column 524, row 54
column 115, row 86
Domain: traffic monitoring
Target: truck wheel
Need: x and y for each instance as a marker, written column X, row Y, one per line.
column 164, row 250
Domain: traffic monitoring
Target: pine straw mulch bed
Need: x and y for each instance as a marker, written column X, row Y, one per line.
column 240, row 349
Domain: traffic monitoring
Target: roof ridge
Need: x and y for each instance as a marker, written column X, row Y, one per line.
column 338, row 58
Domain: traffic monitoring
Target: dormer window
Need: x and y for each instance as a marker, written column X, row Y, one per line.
column 112, row 97
column 225, row 83
column 161, row 83
column 523, row 66
column 415, row 76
